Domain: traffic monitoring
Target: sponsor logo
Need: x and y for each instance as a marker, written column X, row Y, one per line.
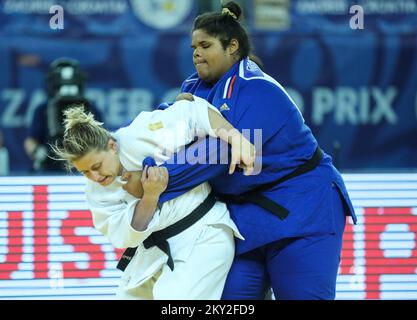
column 162, row 14
column 224, row 107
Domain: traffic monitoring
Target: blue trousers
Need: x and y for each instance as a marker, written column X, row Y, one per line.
column 296, row 268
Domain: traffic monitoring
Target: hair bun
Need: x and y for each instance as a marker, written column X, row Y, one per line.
column 76, row 115
column 233, row 9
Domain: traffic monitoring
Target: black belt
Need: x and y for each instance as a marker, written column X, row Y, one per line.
column 159, row 238
column 255, row 195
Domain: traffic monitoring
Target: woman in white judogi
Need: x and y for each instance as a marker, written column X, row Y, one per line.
column 202, row 253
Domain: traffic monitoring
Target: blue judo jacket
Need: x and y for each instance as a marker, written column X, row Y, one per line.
column 251, row 100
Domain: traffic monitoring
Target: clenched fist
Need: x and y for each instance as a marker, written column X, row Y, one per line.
column 134, row 184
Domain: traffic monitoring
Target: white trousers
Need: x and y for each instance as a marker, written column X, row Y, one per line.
column 201, row 277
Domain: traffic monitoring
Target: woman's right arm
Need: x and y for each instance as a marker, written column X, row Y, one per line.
column 113, row 218
column 154, row 181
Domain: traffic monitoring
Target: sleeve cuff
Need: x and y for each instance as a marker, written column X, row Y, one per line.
column 202, row 116
column 136, row 237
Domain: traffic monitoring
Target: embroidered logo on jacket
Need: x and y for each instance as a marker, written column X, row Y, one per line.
column 156, row 126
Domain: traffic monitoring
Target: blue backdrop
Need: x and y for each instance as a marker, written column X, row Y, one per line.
column 356, row 88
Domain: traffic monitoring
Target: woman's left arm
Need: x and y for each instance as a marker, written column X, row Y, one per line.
column 203, row 119
column 267, row 110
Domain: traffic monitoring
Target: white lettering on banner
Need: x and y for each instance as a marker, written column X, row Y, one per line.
column 74, row 7
column 390, row 6
column 118, row 106
column 90, row 7
column 346, row 101
column 321, row 7
column 14, row 99
column 350, row 106
column 38, row 98
column 384, row 103
column 98, row 98
column 345, row 105
column 397, row 241
column 117, row 102
column 26, row 7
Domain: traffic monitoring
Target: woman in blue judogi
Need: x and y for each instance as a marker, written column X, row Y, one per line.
column 292, row 214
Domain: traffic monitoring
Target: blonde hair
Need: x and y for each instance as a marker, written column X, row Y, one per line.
column 82, row 135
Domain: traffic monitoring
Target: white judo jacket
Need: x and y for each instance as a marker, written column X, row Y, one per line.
column 158, row 134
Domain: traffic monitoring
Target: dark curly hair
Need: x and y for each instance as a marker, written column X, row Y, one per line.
column 225, row 26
